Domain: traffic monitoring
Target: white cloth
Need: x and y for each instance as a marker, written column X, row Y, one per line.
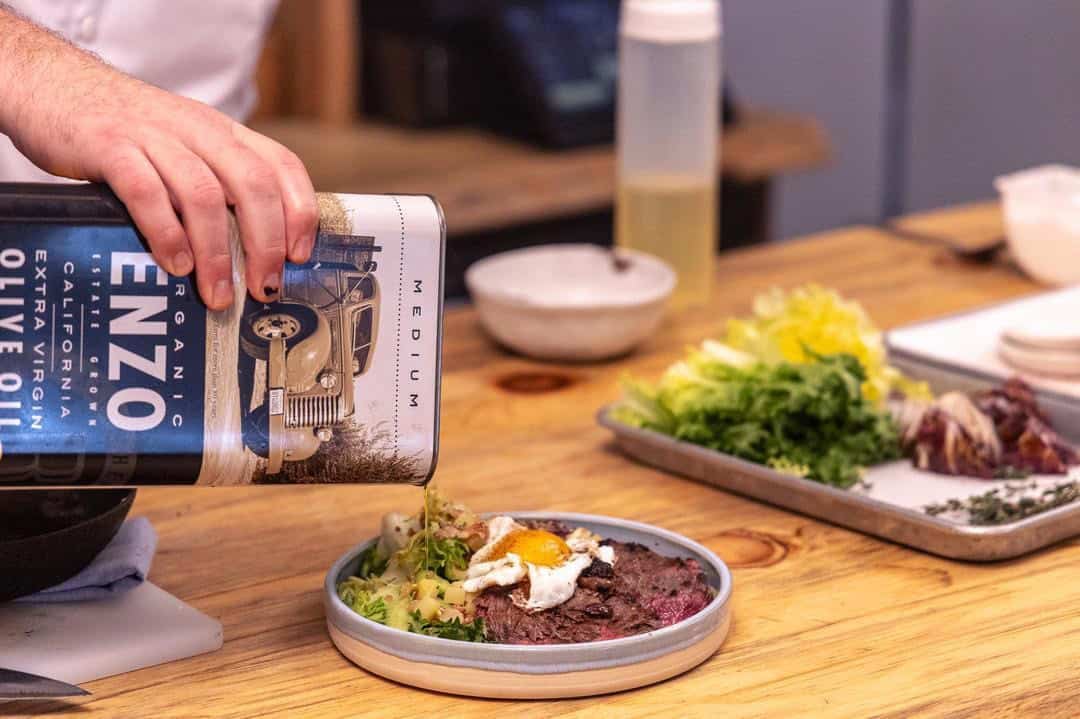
column 203, row 49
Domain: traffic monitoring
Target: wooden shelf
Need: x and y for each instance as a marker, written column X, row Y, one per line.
column 485, row 182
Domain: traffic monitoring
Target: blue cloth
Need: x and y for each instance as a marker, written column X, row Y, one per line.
column 123, row 565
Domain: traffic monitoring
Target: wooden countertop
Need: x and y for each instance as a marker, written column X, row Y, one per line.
column 486, row 182
column 827, row 622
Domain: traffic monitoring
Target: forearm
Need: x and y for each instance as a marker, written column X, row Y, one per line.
column 26, row 54
column 51, row 92
column 43, row 80
column 175, row 163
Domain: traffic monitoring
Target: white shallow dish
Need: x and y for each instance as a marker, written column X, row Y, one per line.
column 505, row 671
column 569, row 302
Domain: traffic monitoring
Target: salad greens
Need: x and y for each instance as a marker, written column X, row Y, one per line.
column 411, row 579
column 372, row 562
column 795, row 326
column 444, row 557
column 810, row 419
column 452, row 629
column 363, row 599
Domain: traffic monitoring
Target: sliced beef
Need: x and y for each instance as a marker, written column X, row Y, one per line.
column 642, row 592
column 673, row 589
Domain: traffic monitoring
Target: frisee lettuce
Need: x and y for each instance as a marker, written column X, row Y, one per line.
column 393, row 583
column 427, row 553
column 453, row 629
column 372, row 562
column 810, row 419
column 360, row 596
column 795, row 325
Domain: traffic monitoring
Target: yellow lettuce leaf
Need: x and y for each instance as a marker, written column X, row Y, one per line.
column 784, row 325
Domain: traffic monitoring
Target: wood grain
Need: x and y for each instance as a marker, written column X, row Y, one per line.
column 827, row 622
column 967, row 228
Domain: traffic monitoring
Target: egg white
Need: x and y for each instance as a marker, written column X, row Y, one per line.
column 548, row 586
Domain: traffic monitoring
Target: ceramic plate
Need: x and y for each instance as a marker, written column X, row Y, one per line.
column 538, row 672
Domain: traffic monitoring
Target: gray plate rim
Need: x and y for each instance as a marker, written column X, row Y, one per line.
column 544, row 659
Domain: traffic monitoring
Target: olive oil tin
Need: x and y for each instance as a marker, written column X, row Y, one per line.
column 113, row 372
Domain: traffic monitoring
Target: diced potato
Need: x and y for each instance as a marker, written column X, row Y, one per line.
column 455, row 594
column 428, row 607
column 431, row 586
column 447, row 614
column 427, row 587
column 457, row 574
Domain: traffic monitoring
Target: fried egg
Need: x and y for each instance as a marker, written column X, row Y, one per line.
column 551, row 563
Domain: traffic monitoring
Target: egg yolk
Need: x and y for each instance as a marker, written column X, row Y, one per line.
column 534, row 546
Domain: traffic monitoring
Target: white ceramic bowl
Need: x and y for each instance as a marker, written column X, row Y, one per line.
column 570, row 302
column 509, row 671
column 1042, row 216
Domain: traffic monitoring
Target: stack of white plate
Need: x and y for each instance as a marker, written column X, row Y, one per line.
column 1048, row 347
column 1030, row 337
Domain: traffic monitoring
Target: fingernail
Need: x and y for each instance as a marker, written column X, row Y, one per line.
column 182, row 263
column 271, row 285
column 223, row 293
column 301, row 249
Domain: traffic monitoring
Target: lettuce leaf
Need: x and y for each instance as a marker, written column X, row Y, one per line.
column 790, row 326
column 360, row 596
column 428, row 553
column 453, row 629
column 809, row 419
column 372, row 562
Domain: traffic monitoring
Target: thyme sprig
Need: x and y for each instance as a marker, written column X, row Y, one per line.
column 1013, row 504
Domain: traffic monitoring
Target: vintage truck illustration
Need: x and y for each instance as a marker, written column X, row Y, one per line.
column 316, row 338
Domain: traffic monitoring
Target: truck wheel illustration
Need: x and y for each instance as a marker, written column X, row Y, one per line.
column 256, row 431
column 290, row 322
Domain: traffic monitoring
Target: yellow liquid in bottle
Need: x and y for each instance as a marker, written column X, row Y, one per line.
column 673, row 218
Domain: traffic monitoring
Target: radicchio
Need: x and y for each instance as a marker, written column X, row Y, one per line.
column 1028, row 441
column 992, row 432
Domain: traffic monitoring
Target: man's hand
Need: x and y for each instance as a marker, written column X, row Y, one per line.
column 175, row 163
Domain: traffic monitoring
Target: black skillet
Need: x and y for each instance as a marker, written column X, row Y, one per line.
column 48, row 536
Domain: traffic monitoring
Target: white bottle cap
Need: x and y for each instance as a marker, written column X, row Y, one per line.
column 671, row 21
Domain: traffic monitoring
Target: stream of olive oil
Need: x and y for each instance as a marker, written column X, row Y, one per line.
column 428, row 494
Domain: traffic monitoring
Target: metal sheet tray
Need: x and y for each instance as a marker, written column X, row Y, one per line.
column 846, row 508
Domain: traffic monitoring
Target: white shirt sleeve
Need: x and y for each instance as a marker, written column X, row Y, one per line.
column 203, row 49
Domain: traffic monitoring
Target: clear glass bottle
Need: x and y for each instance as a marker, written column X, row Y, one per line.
column 667, row 137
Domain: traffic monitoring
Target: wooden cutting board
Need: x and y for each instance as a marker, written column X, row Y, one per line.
column 78, row 642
